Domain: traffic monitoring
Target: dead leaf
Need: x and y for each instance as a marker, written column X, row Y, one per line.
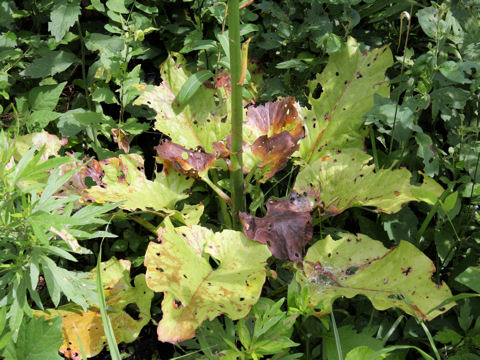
column 286, row 228
column 122, row 138
column 188, row 162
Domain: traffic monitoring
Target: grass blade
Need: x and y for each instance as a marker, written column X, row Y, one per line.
column 107, row 325
column 191, row 86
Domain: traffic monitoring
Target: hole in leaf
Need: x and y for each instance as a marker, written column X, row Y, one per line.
column 133, row 310
column 317, row 92
column 213, row 263
column 351, row 270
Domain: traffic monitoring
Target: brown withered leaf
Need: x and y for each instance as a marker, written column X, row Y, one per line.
column 286, row 228
column 122, row 138
column 274, row 152
column 188, row 162
column 273, row 118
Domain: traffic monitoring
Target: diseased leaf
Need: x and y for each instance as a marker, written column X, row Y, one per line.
column 271, row 134
column 194, row 291
column 87, row 325
column 124, row 180
column 63, row 17
column 201, row 122
column 339, row 181
column 25, row 142
column 188, row 162
column 348, row 84
column 286, row 228
column 358, row 265
column 122, row 138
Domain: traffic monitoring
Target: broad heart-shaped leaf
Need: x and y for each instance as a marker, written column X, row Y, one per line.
column 201, row 122
column 87, row 325
column 358, row 265
column 125, row 180
column 342, row 180
column 348, row 83
column 285, row 229
column 194, row 291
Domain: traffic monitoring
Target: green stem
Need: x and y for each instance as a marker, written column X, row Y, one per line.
column 430, row 340
column 236, row 175
column 84, row 72
column 337, row 337
column 227, row 220
column 431, row 214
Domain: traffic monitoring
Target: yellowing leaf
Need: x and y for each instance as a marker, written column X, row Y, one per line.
column 194, row 291
column 201, row 122
column 339, row 181
column 348, row 84
column 358, row 265
column 87, row 325
column 124, row 180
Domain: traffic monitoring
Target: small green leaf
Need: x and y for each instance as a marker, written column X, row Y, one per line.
column 450, row 202
column 191, row 86
column 471, row 278
column 63, row 17
column 448, row 336
column 117, row 6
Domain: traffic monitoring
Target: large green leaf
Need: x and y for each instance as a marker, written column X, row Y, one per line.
column 87, row 325
column 358, row 265
column 124, row 180
column 342, row 180
column 348, row 84
column 201, row 122
column 194, row 291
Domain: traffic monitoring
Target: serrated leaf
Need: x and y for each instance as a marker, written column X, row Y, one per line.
column 343, row 180
column 87, row 325
column 50, row 64
column 123, row 179
column 63, row 17
column 448, row 336
column 201, row 122
column 117, row 6
column 191, row 86
column 45, row 97
column 358, row 265
column 285, row 229
column 38, row 339
column 348, row 83
column 194, row 291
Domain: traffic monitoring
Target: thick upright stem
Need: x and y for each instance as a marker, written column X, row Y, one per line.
column 236, row 175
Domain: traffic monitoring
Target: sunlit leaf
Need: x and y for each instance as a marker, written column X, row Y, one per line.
column 343, row 180
column 124, row 180
column 285, row 229
column 180, row 266
column 188, row 162
column 201, row 122
column 347, row 85
column 358, row 265
column 87, row 325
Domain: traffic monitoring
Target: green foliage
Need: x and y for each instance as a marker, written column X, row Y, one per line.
column 80, row 77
